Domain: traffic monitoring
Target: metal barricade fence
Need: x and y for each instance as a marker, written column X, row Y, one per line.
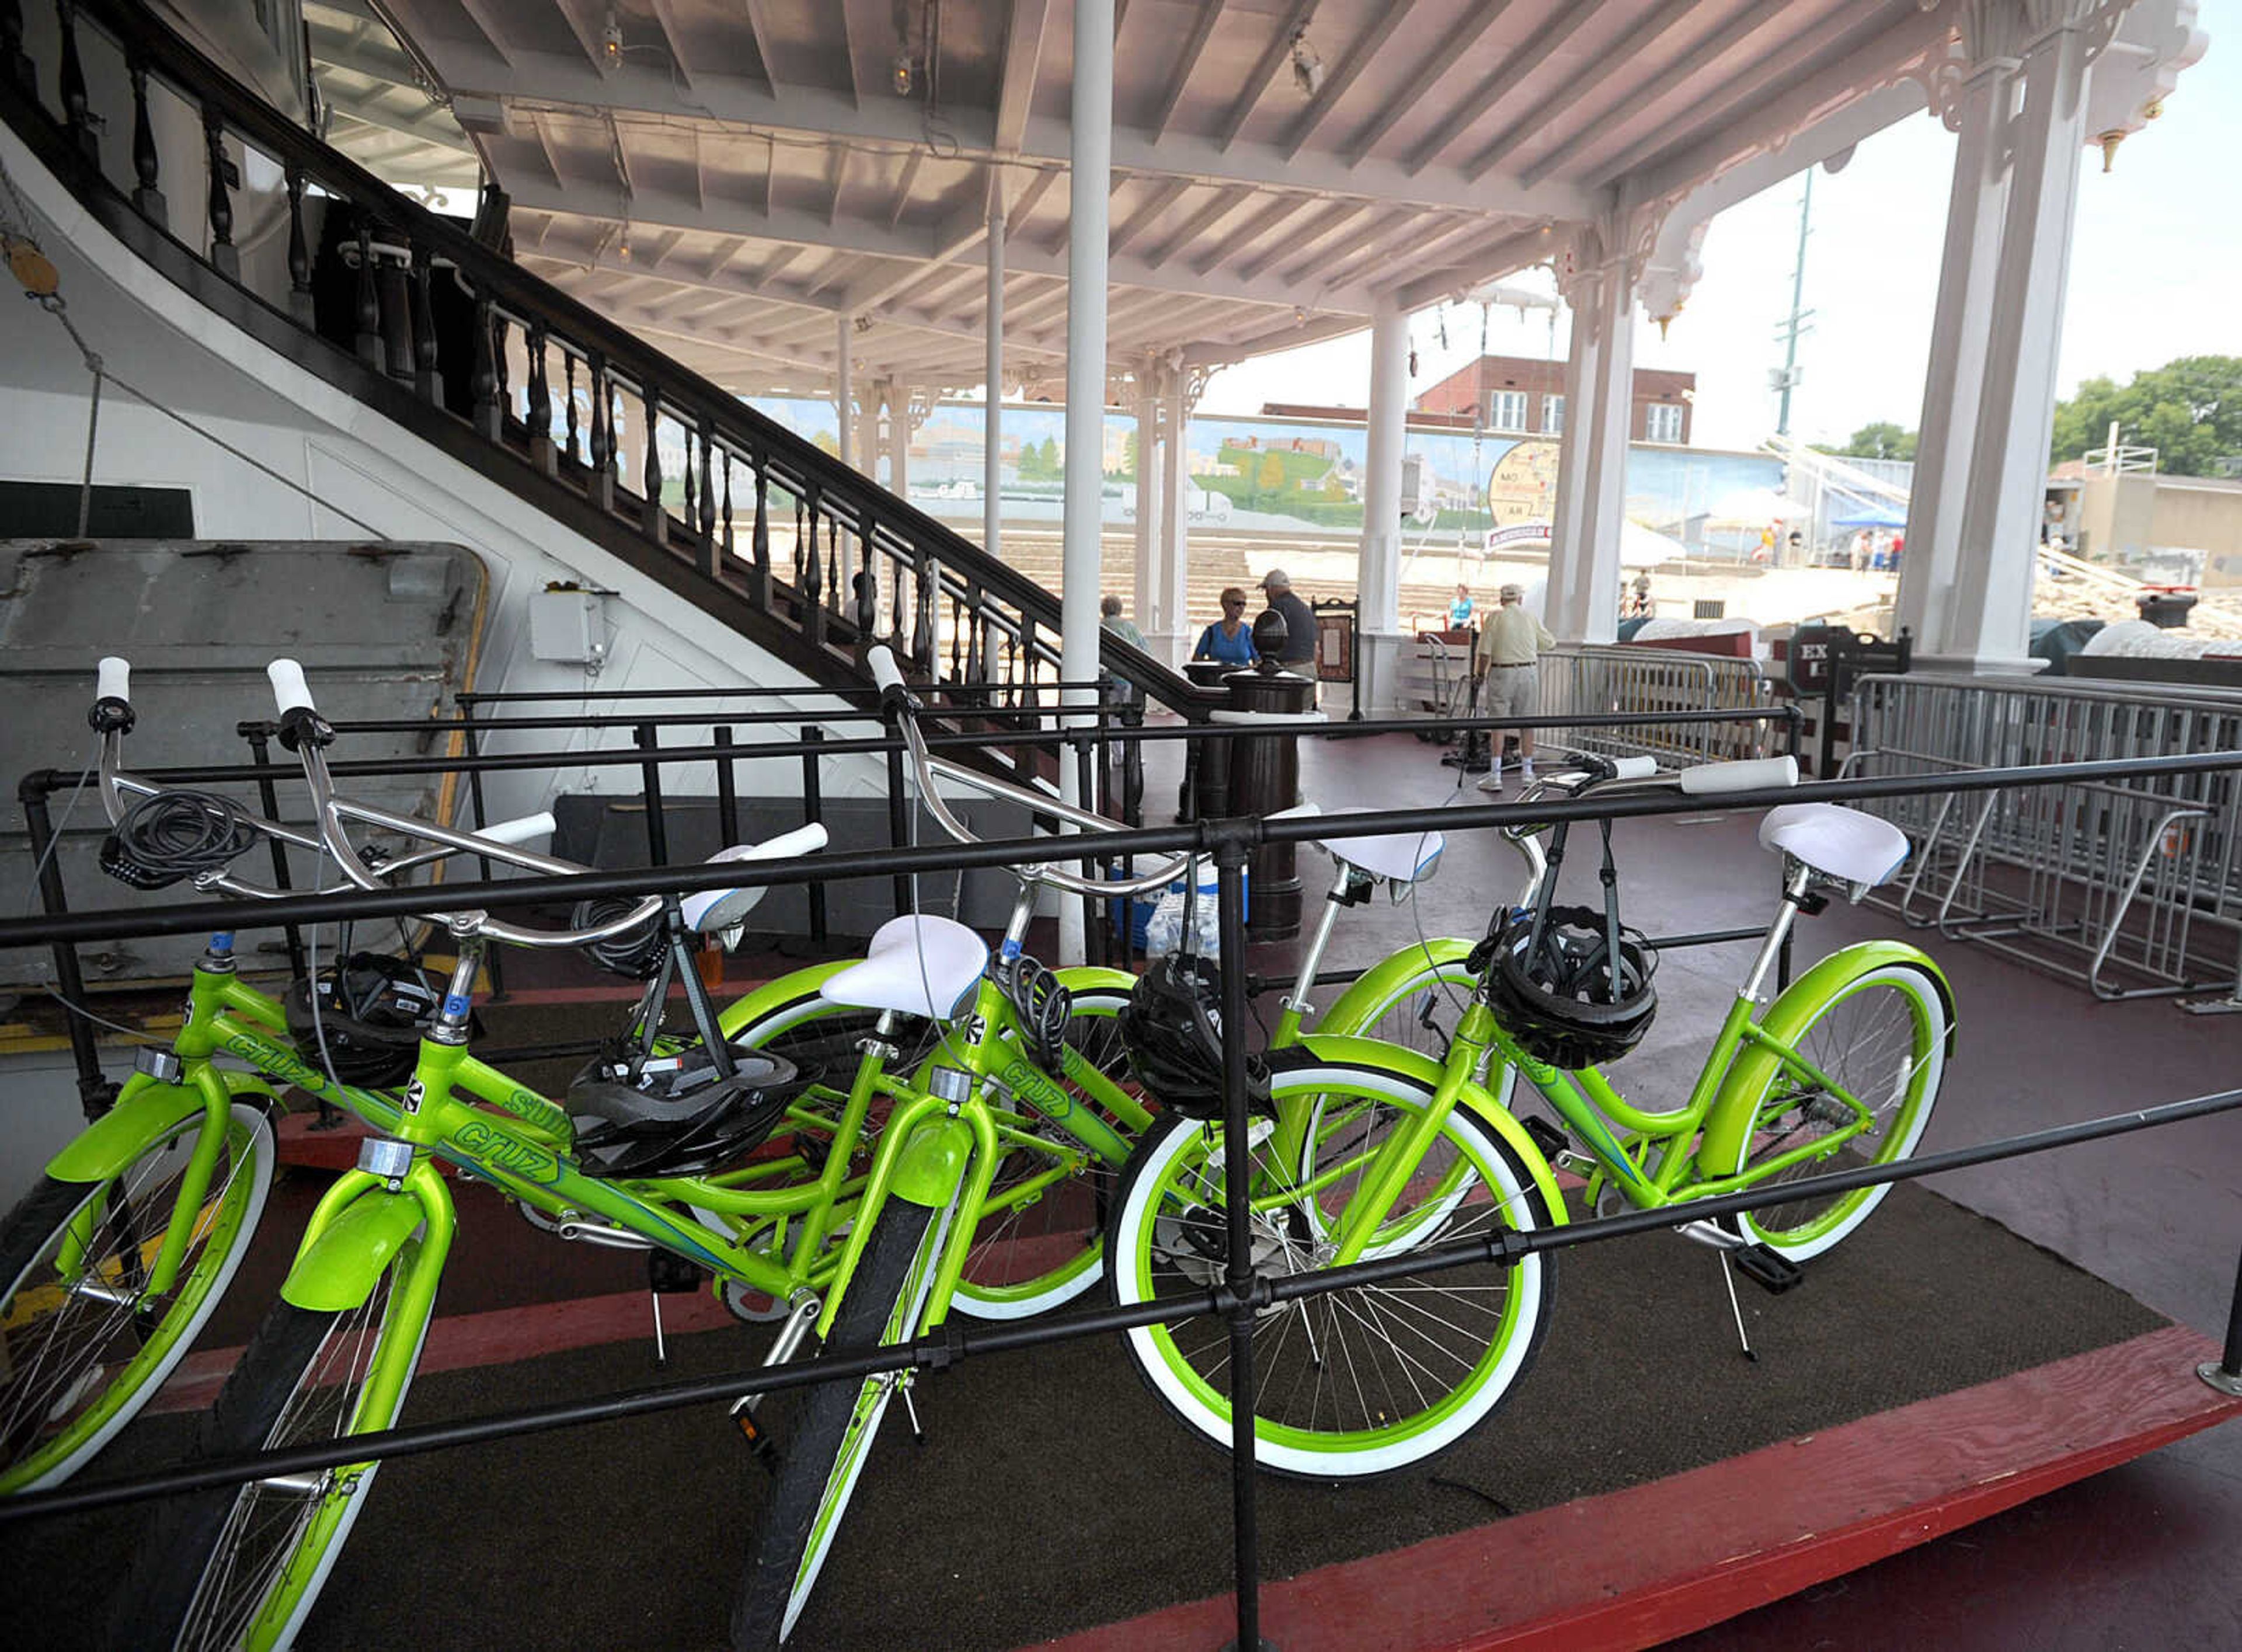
column 2133, row 888
column 1593, row 681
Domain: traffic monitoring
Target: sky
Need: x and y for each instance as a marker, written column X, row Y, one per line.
column 2156, row 269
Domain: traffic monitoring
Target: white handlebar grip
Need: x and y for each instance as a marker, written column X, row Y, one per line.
column 289, row 690
column 1634, row 768
column 1755, row 774
column 519, row 831
column 113, row 679
column 803, row 840
column 885, row 671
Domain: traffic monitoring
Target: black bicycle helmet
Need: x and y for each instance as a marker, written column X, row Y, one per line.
column 1560, row 996
column 1172, row 1026
column 680, row 1117
column 372, row 1012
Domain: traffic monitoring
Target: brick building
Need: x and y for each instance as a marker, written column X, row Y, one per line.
column 1516, row 393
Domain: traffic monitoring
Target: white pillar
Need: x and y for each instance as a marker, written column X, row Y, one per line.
column 1959, row 331
column 898, row 399
column 1146, row 606
column 1584, row 568
column 1090, row 183
column 844, row 386
column 1179, row 625
column 1567, row 509
column 1989, row 621
column 1379, row 579
column 992, row 412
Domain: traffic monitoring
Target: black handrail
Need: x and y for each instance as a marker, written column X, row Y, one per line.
column 865, row 561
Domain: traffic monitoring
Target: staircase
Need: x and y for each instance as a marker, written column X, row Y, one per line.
column 800, row 555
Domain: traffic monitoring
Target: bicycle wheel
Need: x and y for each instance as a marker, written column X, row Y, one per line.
column 1881, row 1037
column 1362, row 1381
column 832, row 1435
column 241, row 1567
column 1418, row 1012
column 82, row 1345
column 1041, row 1238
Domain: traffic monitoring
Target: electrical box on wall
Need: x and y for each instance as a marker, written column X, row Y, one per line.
column 569, row 626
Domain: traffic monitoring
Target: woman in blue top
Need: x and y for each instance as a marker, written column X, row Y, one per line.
column 1229, row 639
column 1459, row 611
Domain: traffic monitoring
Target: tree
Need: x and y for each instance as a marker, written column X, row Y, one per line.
column 1128, row 471
column 1883, row 440
column 1269, row 479
column 2189, row 410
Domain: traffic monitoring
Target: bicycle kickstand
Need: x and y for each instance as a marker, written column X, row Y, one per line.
column 1737, row 1308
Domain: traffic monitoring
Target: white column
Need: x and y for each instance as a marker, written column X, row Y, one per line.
column 1567, row 510
column 1146, row 606
column 1179, row 625
column 992, row 412
column 898, row 398
column 1989, row 621
column 1379, row 579
column 1583, row 603
column 1959, row 333
column 844, row 386
column 1090, row 183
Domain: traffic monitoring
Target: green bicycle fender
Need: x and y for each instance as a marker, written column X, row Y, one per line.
column 336, row 1271
column 1089, row 977
column 778, row 995
column 932, row 1163
column 1376, row 1053
column 104, row 1148
column 1377, row 985
column 1756, row 1065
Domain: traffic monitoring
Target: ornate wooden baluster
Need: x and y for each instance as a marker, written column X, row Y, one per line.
column 13, row 62
column 569, row 371
column 730, row 551
column 692, row 506
column 832, row 603
column 759, row 542
column 490, row 415
column 708, row 521
column 81, row 123
column 223, row 255
column 1029, row 697
column 800, row 568
column 369, row 298
column 812, row 580
column 146, row 165
column 428, row 379
column 956, row 641
column 501, row 328
column 923, row 638
column 540, row 401
column 599, row 487
column 863, row 602
column 653, row 520
column 300, row 251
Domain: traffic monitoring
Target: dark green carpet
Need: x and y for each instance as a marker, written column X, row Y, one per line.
column 1056, row 1493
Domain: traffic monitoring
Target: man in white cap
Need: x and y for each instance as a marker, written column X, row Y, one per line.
column 1510, row 646
column 1299, row 653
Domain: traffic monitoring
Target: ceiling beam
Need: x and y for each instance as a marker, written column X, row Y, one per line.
column 1568, row 99
column 1164, row 197
column 849, row 57
column 370, row 111
column 757, row 14
column 1016, row 84
column 478, row 13
column 1488, row 95
column 1292, row 250
column 586, row 28
column 665, row 18
column 1375, row 235
column 1435, row 68
column 903, row 187
column 1210, row 15
column 842, row 156
column 1264, row 73
column 1473, row 266
column 1225, row 202
column 1668, row 80
column 360, row 55
column 1335, row 86
column 1269, row 217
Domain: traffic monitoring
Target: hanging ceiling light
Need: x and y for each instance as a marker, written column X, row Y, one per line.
column 622, row 244
column 899, row 74
column 611, row 41
column 1307, row 67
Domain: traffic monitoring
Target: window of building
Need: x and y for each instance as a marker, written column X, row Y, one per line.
column 1505, row 410
column 1553, row 415
column 1662, row 421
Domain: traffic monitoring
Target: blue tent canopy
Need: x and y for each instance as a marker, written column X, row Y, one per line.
column 1874, row 516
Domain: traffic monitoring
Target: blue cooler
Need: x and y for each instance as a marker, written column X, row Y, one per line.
column 1136, row 911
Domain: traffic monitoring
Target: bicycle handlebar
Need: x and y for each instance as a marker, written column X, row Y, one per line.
column 895, row 695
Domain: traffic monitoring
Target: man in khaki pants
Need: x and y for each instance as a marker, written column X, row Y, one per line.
column 1510, row 646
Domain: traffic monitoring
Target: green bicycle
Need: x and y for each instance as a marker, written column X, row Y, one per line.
column 1369, row 1151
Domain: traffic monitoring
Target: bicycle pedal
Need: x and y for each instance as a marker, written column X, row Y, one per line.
column 760, row 1443
column 1551, row 1140
column 1771, row 1271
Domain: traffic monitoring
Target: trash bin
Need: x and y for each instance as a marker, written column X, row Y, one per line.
column 2166, row 605
column 1264, row 777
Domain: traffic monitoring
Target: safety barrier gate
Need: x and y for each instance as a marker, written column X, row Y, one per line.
column 1590, row 681
column 2133, row 888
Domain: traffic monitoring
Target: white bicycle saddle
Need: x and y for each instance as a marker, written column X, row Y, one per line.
column 916, row 965
column 1399, row 857
column 1845, row 842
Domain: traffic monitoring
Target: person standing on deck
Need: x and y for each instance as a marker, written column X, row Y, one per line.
column 1299, row 653
column 1229, row 639
column 1510, row 646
